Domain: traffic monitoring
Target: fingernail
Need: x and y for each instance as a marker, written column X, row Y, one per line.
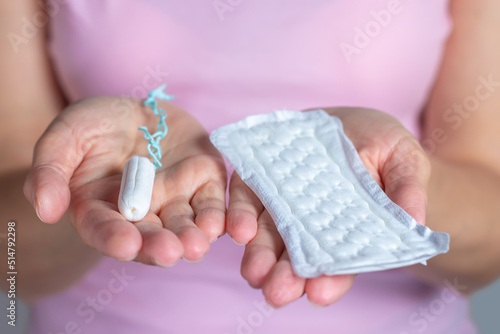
column 237, row 242
column 36, row 209
column 218, row 237
column 35, row 204
column 190, row 261
column 271, row 306
column 274, row 307
column 213, row 239
column 163, row 265
column 314, row 305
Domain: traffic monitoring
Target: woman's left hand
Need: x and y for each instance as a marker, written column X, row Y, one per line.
column 394, row 158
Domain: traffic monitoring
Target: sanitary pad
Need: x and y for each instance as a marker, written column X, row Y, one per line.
column 330, row 212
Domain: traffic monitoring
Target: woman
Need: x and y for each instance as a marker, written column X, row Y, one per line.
column 223, row 61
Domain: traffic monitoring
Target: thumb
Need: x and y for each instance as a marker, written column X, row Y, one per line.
column 56, row 156
column 406, row 178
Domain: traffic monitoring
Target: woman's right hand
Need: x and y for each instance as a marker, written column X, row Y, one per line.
column 77, row 164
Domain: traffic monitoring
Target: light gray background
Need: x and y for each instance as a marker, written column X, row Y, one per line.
column 485, row 310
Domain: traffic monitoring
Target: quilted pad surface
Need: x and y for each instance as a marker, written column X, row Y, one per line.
column 330, row 212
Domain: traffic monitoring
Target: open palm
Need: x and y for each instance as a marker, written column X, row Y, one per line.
column 78, row 164
column 395, row 160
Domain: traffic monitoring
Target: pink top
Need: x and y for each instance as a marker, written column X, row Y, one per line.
column 224, row 60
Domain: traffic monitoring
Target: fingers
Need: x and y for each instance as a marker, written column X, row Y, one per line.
column 282, row 286
column 406, row 175
column 47, row 184
column 105, row 229
column 266, row 265
column 46, row 188
column 190, row 201
column 101, row 226
column 209, row 206
column 326, row 290
column 243, row 211
column 178, row 216
column 367, row 157
column 160, row 246
column 262, row 253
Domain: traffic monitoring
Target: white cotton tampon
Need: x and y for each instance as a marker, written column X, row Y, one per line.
column 136, row 188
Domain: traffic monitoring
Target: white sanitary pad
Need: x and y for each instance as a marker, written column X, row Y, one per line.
column 330, row 212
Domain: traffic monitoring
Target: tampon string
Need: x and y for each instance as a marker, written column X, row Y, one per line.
column 154, row 147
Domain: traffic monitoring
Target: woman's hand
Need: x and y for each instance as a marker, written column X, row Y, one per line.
column 78, row 163
column 395, row 160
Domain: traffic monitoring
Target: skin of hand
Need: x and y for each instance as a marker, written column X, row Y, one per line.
column 78, row 162
column 394, row 158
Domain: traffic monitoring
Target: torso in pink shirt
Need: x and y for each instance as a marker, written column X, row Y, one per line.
column 224, row 60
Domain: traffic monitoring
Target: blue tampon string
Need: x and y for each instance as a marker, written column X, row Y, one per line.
column 154, row 147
